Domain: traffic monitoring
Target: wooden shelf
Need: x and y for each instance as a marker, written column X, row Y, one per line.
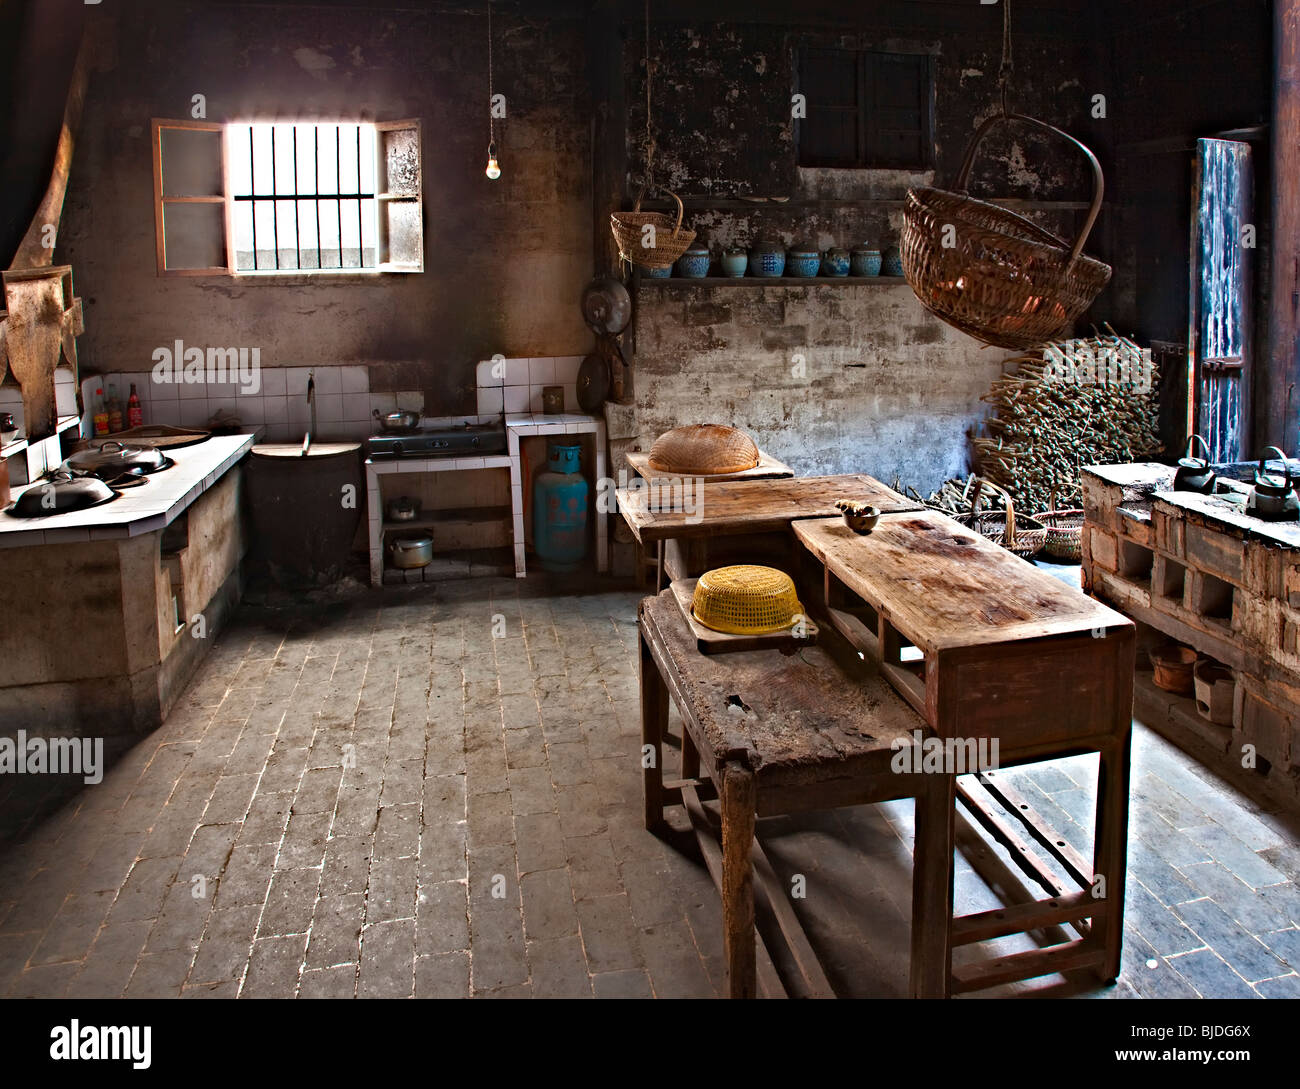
column 466, row 515
column 772, row 281
column 731, row 204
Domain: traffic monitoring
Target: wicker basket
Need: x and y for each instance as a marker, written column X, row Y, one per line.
column 1018, row 533
column 746, row 600
column 1064, row 533
column 994, row 274
column 670, row 238
column 703, row 450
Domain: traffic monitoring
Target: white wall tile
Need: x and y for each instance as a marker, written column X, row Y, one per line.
column 356, row 407
column 329, row 407
column 163, row 412
column 194, row 412
column 275, row 410
column 161, row 391
column 191, row 391
column 355, row 379
column 566, row 369
column 490, row 400
column 484, row 376
column 541, row 372
column 383, row 403
column 296, row 381
column 516, row 372
column 274, row 381
column 516, row 398
column 328, row 380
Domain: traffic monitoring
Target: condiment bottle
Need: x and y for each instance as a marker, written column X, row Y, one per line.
column 101, row 414
column 134, row 411
column 114, row 411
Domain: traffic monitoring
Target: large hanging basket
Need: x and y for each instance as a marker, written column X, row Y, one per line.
column 991, row 273
column 667, row 242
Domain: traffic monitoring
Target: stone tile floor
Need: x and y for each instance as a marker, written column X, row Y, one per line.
column 435, row 792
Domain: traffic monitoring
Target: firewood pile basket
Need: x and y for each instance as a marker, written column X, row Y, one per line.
column 1015, row 532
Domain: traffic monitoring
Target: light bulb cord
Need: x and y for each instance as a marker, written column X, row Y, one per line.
column 491, row 122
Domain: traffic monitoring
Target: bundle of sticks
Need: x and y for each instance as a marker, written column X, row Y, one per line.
column 1059, row 409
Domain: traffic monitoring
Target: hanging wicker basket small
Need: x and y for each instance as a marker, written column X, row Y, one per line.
column 991, row 273
column 658, row 248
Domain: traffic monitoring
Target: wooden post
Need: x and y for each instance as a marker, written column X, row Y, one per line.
column 654, row 723
column 609, row 128
column 738, row 817
column 1276, row 413
column 932, row 886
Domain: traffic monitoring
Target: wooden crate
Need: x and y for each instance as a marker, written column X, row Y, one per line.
column 980, row 642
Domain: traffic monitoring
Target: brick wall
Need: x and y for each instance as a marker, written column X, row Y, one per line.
column 884, row 388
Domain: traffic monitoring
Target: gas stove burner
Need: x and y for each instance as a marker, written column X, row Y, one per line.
column 439, row 441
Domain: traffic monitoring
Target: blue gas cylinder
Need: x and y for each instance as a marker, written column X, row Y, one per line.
column 560, row 509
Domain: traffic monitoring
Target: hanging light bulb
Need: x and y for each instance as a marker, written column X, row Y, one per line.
column 493, row 170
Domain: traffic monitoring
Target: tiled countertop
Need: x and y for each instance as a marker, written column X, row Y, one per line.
column 139, row 510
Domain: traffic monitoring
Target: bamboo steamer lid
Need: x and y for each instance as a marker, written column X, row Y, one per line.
column 703, row 450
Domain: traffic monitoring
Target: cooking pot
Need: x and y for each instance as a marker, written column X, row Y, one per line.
column 399, row 422
column 112, row 459
column 61, row 493
column 1273, row 497
column 403, row 509
column 1195, row 474
column 415, row 550
column 606, row 305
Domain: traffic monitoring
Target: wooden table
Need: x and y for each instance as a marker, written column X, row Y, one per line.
column 733, row 518
column 984, row 645
column 771, row 733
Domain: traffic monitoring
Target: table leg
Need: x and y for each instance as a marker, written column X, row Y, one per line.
column 738, row 801
column 932, row 883
column 690, row 756
column 659, row 566
column 1110, row 850
column 654, row 723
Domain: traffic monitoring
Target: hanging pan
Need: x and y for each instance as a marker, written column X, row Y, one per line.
column 606, row 306
column 991, row 273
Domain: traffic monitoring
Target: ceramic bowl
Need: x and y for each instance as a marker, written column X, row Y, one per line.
column 803, row 263
column 865, row 261
column 862, row 521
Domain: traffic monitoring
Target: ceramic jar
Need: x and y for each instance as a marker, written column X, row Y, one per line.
column 836, row 262
column 694, row 263
column 767, row 258
column 734, row 263
column 892, row 262
column 865, row 261
column 803, row 260
column 658, row 273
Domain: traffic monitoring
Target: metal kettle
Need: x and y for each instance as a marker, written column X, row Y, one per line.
column 1195, row 474
column 1273, row 498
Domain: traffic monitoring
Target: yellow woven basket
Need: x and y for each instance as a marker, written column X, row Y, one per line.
column 746, row 600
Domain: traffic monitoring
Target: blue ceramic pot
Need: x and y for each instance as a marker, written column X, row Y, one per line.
column 767, row 259
column 892, row 264
column 865, row 261
column 658, row 273
column 836, row 262
column 803, row 262
column 694, row 263
column 734, row 263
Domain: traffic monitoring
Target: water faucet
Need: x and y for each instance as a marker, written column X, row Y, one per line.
column 311, row 406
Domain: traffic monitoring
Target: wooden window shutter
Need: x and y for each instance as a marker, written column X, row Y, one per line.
column 400, row 189
column 191, row 212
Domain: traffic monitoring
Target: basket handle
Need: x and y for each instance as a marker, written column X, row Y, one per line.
column 1098, row 181
column 1205, row 448
column 980, row 482
column 1263, row 464
column 681, row 210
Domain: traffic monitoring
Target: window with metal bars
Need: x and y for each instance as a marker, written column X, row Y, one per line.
column 304, row 196
column 250, row 198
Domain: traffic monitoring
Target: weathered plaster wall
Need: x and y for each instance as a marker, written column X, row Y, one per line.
column 887, row 389
column 505, row 260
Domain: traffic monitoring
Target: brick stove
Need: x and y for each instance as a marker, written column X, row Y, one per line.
column 1199, row 570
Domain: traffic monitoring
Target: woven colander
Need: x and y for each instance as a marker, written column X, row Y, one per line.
column 746, row 600
column 703, row 450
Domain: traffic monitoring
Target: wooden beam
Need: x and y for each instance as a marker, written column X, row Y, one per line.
column 1277, row 401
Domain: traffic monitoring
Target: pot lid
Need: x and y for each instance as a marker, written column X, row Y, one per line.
column 606, row 305
column 61, row 493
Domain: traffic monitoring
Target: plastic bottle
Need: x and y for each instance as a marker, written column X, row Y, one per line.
column 134, row 411
column 100, row 414
column 114, row 409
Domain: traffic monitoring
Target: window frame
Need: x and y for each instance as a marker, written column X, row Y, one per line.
column 383, row 263
column 864, row 70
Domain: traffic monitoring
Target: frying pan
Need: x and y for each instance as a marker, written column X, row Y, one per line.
column 606, row 306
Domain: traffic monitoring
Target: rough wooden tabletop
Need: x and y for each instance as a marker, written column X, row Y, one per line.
column 943, row 585
column 817, row 713
column 750, row 506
